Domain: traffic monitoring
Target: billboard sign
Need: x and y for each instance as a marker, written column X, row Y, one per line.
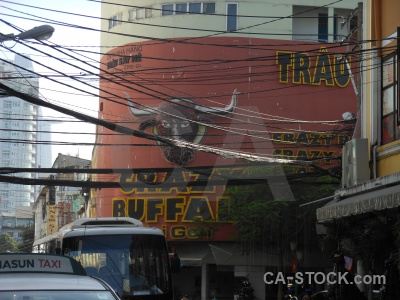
column 224, row 102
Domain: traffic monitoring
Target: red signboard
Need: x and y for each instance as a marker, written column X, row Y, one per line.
column 232, row 100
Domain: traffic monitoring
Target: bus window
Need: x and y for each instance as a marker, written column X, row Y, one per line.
column 109, row 247
column 118, row 258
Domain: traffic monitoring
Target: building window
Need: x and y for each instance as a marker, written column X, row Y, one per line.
column 209, row 8
column 132, row 15
column 148, row 12
column 113, row 21
column 231, row 17
column 180, row 8
column 390, row 117
column 322, row 28
column 167, row 9
column 195, row 7
column 185, row 7
column 7, row 104
column 140, row 13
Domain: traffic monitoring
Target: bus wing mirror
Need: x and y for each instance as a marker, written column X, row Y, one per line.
column 176, row 264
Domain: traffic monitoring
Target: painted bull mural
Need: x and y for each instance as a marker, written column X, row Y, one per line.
column 179, row 119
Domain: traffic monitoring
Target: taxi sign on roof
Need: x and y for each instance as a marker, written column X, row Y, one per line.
column 39, row 263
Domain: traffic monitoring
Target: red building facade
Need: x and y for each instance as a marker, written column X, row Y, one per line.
column 227, row 101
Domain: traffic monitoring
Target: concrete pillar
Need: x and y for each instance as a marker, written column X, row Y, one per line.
column 331, row 24
column 204, row 282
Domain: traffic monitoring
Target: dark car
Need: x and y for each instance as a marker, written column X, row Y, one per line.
column 321, row 295
column 324, row 295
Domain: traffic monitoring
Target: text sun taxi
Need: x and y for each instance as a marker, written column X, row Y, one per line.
column 28, row 276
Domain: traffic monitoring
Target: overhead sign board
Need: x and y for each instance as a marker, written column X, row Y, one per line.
column 265, row 99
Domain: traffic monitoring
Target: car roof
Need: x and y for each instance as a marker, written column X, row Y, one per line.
column 38, row 271
column 51, row 281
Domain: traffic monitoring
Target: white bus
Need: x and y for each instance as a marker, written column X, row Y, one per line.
column 119, row 251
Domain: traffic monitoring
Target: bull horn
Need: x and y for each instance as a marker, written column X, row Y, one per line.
column 136, row 111
column 220, row 110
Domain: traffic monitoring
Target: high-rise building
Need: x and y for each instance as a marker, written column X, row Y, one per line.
column 44, row 151
column 19, row 132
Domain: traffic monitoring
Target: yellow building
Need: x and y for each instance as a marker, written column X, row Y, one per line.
column 366, row 205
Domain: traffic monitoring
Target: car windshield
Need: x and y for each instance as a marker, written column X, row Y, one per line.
column 56, row 295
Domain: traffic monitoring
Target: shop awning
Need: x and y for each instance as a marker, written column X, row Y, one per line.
column 192, row 256
column 220, row 255
column 191, row 262
column 376, row 200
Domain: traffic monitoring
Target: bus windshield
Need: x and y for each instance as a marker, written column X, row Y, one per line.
column 132, row 264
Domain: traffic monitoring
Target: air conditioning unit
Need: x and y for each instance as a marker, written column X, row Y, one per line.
column 355, row 164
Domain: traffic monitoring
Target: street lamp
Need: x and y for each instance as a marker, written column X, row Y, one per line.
column 42, row 32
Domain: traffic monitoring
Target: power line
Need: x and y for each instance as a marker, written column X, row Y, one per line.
column 153, row 95
column 122, row 129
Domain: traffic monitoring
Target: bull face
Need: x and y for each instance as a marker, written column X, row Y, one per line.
column 179, row 119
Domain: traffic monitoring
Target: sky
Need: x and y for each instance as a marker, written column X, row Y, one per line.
column 24, row 15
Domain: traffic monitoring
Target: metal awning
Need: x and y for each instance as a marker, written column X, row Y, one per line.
column 191, row 262
column 192, row 255
column 221, row 256
column 376, row 200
